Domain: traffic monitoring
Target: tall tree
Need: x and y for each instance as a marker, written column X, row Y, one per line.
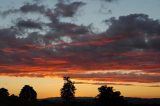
column 3, row 93
column 68, row 89
column 28, row 93
column 107, row 96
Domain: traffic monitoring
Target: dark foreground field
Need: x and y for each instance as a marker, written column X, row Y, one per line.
column 81, row 101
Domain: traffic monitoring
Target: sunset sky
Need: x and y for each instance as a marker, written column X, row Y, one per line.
column 95, row 42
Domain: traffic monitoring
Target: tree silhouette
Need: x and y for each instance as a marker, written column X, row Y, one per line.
column 68, row 89
column 28, row 93
column 3, row 93
column 107, row 96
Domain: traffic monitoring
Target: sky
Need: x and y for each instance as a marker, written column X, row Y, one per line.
column 95, row 42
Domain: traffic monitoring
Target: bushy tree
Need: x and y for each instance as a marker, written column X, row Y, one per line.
column 68, row 89
column 28, row 93
column 3, row 93
column 107, row 96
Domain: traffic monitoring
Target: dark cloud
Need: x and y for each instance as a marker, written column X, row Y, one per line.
column 138, row 24
column 69, row 28
column 68, row 10
column 7, row 37
column 138, row 31
column 32, row 8
column 118, row 77
column 31, row 24
column 94, row 51
column 109, row 0
column 28, row 7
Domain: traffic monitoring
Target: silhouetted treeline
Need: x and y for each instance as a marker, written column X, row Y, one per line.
column 28, row 97
column 107, row 96
column 28, row 94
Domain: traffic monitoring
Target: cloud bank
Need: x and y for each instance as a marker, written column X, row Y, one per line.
column 131, row 42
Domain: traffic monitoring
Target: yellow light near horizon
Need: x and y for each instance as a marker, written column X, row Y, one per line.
column 45, row 87
column 86, row 90
column 50, row 87
column 139, row 91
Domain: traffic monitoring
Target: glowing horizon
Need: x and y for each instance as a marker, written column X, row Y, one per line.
column 50, row 87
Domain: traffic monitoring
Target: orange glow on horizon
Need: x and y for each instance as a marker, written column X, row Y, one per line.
column 50, row 87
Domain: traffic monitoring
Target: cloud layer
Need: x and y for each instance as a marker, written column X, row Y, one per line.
column 130, row 43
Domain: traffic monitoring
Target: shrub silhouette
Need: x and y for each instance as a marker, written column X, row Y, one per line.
column 107, row 96
column 68, row 89
column 3, row 93
column 28, row 93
